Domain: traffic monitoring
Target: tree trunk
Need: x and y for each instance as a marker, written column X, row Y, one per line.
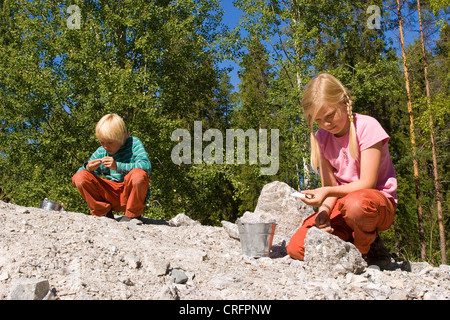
column 423, row 253
column 433, row 145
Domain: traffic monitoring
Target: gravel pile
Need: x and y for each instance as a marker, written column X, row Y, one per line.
column 76, row 256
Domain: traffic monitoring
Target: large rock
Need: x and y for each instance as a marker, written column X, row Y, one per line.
column 328, row 255
column 30, row 289
column 231, row 229
column 182, row 220
column 275, row 201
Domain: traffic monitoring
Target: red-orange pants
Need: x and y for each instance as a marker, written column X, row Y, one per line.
column 104, row 195
column 358, row 216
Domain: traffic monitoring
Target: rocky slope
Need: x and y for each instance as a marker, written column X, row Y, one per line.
column 85, row 257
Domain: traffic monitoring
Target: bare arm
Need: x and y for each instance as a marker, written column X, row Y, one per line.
column 370, row 165
column 328, row 180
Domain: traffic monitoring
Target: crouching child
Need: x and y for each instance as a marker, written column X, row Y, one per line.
column 116, row 177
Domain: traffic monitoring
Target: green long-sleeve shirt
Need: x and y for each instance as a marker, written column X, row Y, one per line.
column 130, row 156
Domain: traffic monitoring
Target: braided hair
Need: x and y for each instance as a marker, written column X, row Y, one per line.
column 326, row 88
column 353, row 142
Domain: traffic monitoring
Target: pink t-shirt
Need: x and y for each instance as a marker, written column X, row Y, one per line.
column 346, row 169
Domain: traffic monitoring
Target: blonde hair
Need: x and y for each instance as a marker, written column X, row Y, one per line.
column 111, row 127
column 327, row 89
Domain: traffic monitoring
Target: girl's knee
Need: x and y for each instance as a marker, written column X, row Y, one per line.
column 359, row 203
column 296, row 247
column 362, row 210
column 295, row 252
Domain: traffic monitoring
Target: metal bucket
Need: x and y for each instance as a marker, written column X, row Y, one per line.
column 50, row 205
column 256, row 238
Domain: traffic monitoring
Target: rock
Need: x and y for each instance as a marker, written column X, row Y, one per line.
column 133, row 224
column 191, row 255
column 182, row 220
column 421, row 267
column 222, row 281
column 4, row 276
column 29, row 289
column 51, row 295
column 276, row 202
column 157, row 266
column 126, row 281
column 168, row 292
column 179, row 277
column 132, row 261
column 257, row 217
column 231, row 229
column 326, row 254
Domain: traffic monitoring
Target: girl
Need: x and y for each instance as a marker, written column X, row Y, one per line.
column 358, row 194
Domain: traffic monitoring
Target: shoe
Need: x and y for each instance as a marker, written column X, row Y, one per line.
column 405, row 266
column 125, row 219
column 128, row 219
column 402, row 265
column 110, row 214
column 379, row 255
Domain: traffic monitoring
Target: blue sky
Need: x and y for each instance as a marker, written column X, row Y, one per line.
column 231, row 19
column 232, row 14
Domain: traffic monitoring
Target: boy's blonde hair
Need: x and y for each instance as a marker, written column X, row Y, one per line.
column 326, row 89
column 111, row 127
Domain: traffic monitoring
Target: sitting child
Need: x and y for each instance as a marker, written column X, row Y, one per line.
column 124, row 163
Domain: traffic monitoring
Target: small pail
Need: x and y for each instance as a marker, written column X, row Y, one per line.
column 50, row 205
column 256, row 238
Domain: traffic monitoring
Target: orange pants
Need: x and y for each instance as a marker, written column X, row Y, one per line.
column 104, row 195
column 357, row 216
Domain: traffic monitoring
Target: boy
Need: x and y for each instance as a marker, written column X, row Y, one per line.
column 126, row 167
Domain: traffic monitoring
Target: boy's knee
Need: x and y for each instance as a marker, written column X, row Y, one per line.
column 138, row 177
column 80, row 178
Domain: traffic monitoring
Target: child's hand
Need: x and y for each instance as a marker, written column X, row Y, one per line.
column 110, row 163
column 93, row 164
column 319, row 196
column 323, row 222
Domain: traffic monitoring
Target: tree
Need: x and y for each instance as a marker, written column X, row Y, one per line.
column 252, row 111
column 412, row 133
column 433, row 142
